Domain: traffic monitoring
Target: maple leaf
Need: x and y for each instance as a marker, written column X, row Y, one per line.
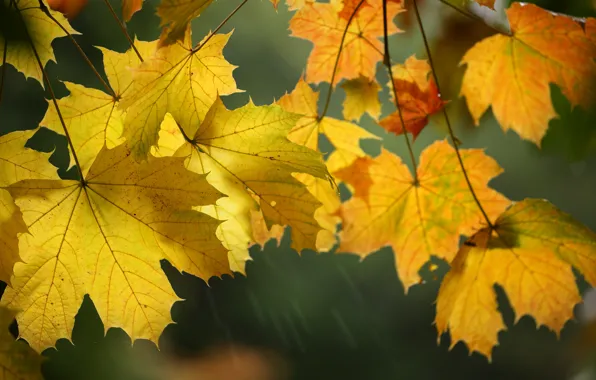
column 418, row 98
column 530, row 254
column 176, row 16
column 247, row 154
column 362, row 95
column 130, row 7
column 513, row 73
column 16, row 163
column 178, row 80
column 27, row 33
column 424, row 219
column 361, row 49
column 17, row 360
column 487, row 3
column 105, row 236
column 357, row 174
column 344, row 136
column 92, row 116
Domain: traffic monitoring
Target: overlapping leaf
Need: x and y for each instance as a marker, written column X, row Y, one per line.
column 343, row 135
column 530, row 254
column 418, row 98
column 362, row 95
column 105, row 237
column 420, row 219
column 16, row 163
column 92, row 116
column 27, row 33
column 361, row 49
column 178, row 80
column 17, row 360
column 176, row 16
column 247, row 154
column 512, row 74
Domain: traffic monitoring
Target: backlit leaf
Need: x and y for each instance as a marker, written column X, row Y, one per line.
column 418, row 98
column 17, row 360
column 176, row 16
column 177, row 80
column 26, row 30
column 92, row 116
column 420, row 220
column 530, row 254
column 247, row 154
column 362, row 95
column 512, row 74
column 16, row 163
column 362, row 49
column 105, row 237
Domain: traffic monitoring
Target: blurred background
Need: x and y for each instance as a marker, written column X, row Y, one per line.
column 324, row 316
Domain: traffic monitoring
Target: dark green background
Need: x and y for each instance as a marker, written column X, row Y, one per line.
column 331, row 316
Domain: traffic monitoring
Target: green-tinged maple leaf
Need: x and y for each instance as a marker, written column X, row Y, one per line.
column 91, row 116
column 17, row 360
column 512, row 74
column 247, row 154
column 16, row 163
column 530, row 254
column 176, row 16
column 105, row 237
column 26, row 35
column 178, row 80
column 424, row 219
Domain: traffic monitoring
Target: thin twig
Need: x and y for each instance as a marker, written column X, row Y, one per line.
column 108, row 89
column 221, row 24
column 449, row 127
column 123, row 28
column 4, row 65
column 387, row 62
column 336, row 65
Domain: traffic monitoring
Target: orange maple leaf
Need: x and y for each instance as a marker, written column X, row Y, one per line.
column 530, row 254
column 418, row 97
column 420, row 219
column 513, row 73
column 361, row 49
column 357, row 174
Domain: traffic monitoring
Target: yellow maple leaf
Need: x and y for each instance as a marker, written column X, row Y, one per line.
column 424, row 219
column 178, row 80
column 92, row 116
column 362, row 95
column 28, row 35
column 247, row 154
column 17, row 360
column 513, row 73
column 530, row 254
column 176, row 16
column 361, row 49
column 105, row 236
column 16, row 163
column 344, row 136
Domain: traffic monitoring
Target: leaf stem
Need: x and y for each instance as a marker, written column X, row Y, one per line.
column 123, row 28
column 387, row 63
column 336, row 65
column 221, row 24
column 53, row 96
column 108, row 89
column 449, row 127
column 3, row 74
